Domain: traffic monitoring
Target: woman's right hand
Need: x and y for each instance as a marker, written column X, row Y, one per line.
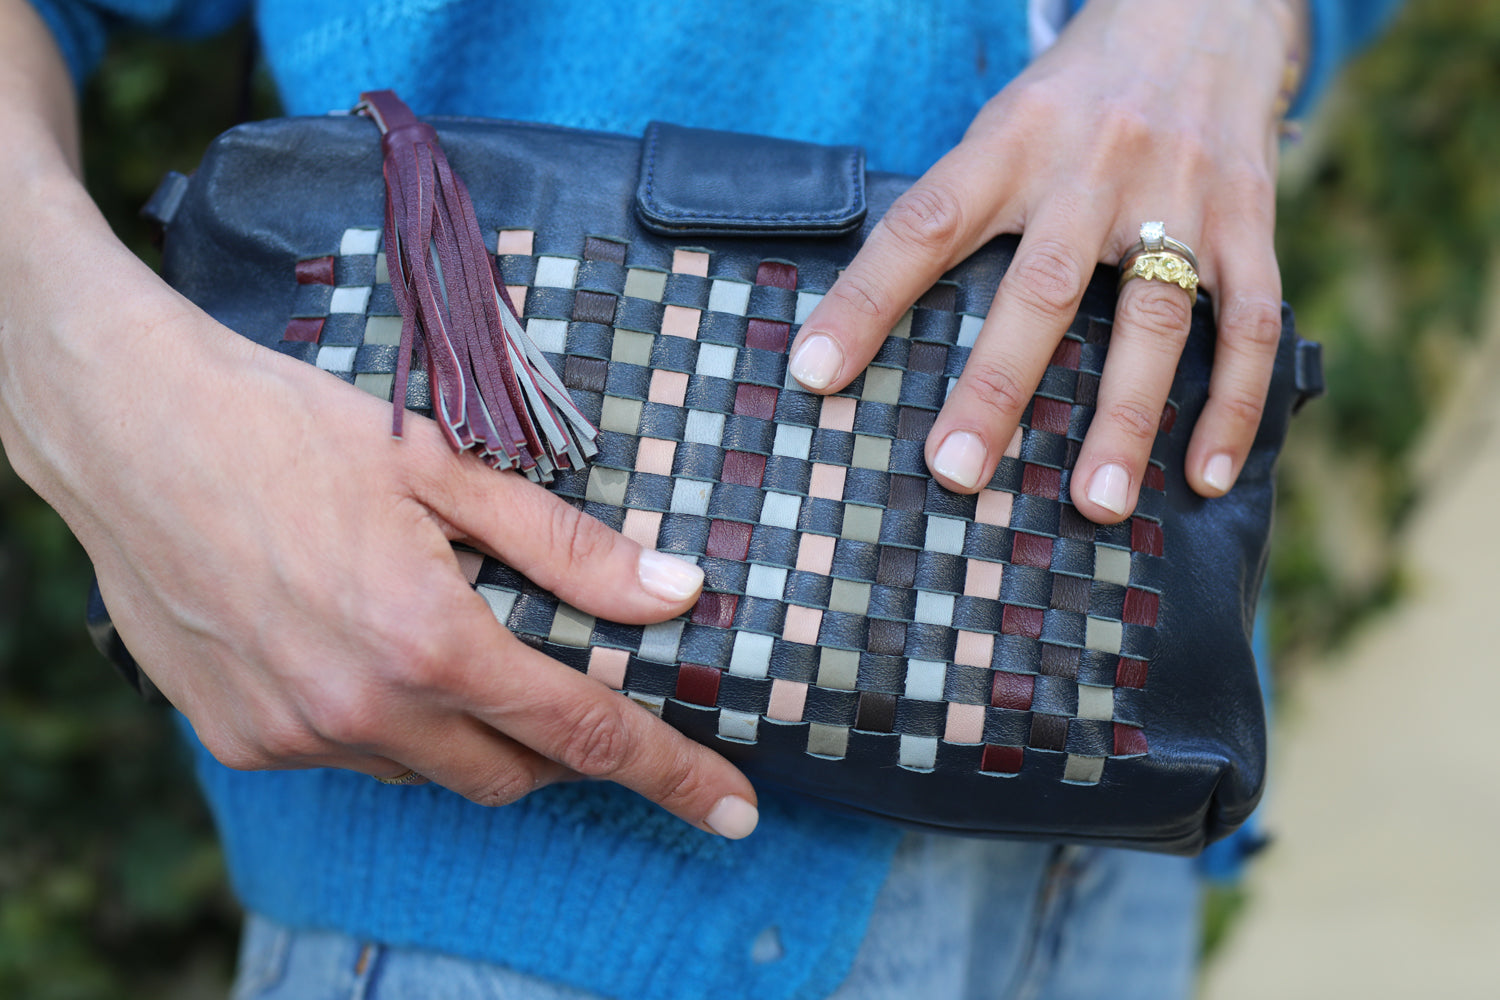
column 280, row 567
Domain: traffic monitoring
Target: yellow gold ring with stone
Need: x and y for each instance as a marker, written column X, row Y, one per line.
column 1161, row 265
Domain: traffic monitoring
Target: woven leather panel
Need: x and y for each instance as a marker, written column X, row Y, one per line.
column 846, row 592
column 977, row 665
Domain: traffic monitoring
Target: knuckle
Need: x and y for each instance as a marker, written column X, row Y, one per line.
column 1125, row 125
column 1251, row 187
column 272, row 744
column 427, row 670
column 235, row 753
column 997, row 387
column 1047, row 279
column 343, row 716
column 860, row 295
column 433, row 473
column 1161, row 310
column 1025, row 113
column 1241, row 408
column 929, row 217
column 1134, row 419
column 416, row 656
column 514, row 782
column 597, row 741
column 1193, row 154
column 1253, row 321
column 284, row 740
column 576, row 538
column 681, row 782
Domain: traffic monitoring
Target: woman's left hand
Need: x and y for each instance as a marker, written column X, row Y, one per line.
column 1144, row 110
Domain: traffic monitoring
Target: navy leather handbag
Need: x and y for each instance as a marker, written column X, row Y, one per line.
column 989, row 665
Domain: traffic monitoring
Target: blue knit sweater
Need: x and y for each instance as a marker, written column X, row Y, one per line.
column 588, row 884
column 901, row 79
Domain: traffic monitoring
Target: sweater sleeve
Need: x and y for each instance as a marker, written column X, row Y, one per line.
column 1338, row 29
column 82, row 29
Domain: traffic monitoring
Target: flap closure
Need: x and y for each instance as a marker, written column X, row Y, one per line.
column 703, row 182
column 1308, row 372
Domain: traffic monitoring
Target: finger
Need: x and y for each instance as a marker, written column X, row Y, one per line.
column 939, row 221
column 383, row 769
column 464, row 755
column 1249, row 324
column 1151, row 325
column 591, row 730
column 1033, row 307
column 558, row 546
column 456, row 752
column 408, row 721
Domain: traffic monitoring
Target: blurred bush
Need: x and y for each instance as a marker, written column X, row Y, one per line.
column 1387, row 236
column 110, row 883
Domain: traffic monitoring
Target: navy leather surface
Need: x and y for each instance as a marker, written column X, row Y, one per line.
column 270, row 193
column 698, row 181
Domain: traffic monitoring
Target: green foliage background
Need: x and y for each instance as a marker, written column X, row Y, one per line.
column 110, row 883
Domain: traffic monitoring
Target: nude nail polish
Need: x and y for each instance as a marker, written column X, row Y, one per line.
column 1109, row 487
column 816, row 361
column 733, row 818
column 668, row 577
column 960, row 458
column 1218, row 473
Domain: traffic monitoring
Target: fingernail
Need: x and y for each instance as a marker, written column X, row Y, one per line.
column 816, row 361
column 1109, row 487
column 960, row 458
column 733, row 817
column 668, row 577
column 1218, row 473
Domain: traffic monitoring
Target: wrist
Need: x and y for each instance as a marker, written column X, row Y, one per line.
column 1232, row 57
column 76, row 310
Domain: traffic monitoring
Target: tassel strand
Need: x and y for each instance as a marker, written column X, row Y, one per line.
column 493, row 391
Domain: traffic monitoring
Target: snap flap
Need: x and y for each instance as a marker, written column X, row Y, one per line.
column 161, row 208
column 703, row 182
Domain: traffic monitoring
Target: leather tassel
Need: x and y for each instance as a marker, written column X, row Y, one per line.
column 493, row 390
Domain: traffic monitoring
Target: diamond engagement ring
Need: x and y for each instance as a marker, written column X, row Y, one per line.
column 406, row 777
column 1154, row 239
column 1158, row 257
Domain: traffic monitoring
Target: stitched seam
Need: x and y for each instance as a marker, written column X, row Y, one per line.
column 1051, row 905
column 269, row 968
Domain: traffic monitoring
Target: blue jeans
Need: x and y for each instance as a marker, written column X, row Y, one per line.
column 956, row 920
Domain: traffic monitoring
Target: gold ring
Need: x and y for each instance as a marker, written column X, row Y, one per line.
column 1164, row 265
column 406, row 777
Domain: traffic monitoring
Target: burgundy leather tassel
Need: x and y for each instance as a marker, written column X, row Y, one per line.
column 493, row 391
